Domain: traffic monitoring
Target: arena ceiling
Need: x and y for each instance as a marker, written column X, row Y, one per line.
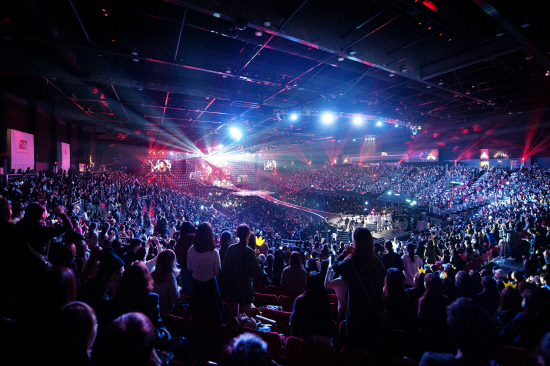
column 194, row 68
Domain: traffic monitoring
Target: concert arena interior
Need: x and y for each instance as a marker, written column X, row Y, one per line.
column 274, row 182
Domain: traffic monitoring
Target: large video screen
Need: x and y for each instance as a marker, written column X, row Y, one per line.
column 160, row 166
column 270, row 165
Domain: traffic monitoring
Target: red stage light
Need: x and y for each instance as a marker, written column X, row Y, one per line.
column 522, row 159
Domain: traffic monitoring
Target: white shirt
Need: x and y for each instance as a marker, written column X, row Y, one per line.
column 411, row 268
column 205, row 266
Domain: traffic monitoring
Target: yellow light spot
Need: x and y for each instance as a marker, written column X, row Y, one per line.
column 450, row 39
column 429, row 27
column 440, row 34
column 106, row 15
column 103, row 10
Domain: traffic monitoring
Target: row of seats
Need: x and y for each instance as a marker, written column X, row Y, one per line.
column 481, row 260
column 208, row 339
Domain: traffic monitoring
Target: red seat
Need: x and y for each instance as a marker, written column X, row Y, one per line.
column 302, row 353
column 281, row 317
column 264, row 299
column 286, row 302
column 254, row 312
column 274, row 290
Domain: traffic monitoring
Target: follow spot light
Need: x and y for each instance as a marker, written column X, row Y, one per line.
column 327, row 117
column 379, row 123
column 357, row 120
column 235, row 133
column 293, row 117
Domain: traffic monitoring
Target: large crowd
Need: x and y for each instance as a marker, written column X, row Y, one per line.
column 95, row 263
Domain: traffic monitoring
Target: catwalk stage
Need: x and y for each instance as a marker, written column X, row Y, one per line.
column 397, row 231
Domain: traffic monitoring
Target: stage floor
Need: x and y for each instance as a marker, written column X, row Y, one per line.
column 333, row 218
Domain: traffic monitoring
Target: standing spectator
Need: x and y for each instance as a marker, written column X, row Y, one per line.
column 240, row 267
column 164, row 277
column 412, row 263
column 185, row 240
column 204, row 262
column 311, row 315
column 364, row 273
column 294, row 277
column 392, row 259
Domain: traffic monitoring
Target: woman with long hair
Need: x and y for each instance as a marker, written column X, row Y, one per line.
column 432, row 313
column 508, row 308
column 363, row 273
column 240, row 267
column 134, row 294
column 165, row 283
column 294, row 277
column 397, row 302
column 412, row 262
column 225, row 241
column 204, row 262
column 311, row 315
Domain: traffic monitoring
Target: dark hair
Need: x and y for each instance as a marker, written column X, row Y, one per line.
column 225, row 239
column 315, row 285
column 127, row 341
column 363, row 255
column 204, row 238
column 166, row 266
column 434, row 286
column 246, row 350
column 471, row 329
column 243, row 231
column 34, row 212
column 74, row 328
column 60, row 288
column 410, row 251
column 394, row 282
column 187, row 228
column 510, row 300
column 136, row 282
column 295, row 261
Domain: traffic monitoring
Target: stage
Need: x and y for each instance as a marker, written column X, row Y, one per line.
column 396, row 231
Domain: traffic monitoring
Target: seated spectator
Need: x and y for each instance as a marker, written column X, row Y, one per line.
column 73, row 335
column 531, row 324
column 416, row 292
column 508, row 308
column 489, row 296
column 471, row 331
column 127, row 341
column 133, row 294
column 311, row 315
column 294, row 277
column 246, row 350
column 463, row 286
